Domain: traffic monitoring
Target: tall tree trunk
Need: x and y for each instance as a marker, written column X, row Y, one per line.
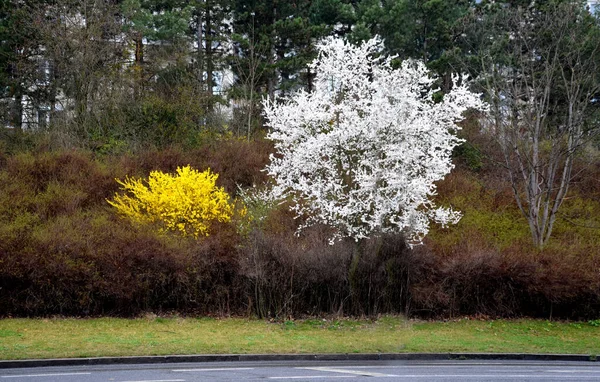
column 309, row 80
column 272, row 55
column 138, row 65
column 52, row 94
column 200, row 42
column 17, row 112
column 209, row 57
column 353, row 276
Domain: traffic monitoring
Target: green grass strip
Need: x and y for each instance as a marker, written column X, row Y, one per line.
column 58, row 338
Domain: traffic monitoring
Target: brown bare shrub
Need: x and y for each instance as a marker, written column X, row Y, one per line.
column 64, row 251
column 92, row 263
column 237, row 162
column 507, row 284
column 291, row 275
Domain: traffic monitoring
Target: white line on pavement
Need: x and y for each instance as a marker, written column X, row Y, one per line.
column 346, row 371
column 159, row 380
column 503, row 376
column 315, row 376
column 428, row 366
column 42, row 375
column 572, row 371
column 216, row 369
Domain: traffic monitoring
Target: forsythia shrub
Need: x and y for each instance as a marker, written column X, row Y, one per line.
column 186, row 202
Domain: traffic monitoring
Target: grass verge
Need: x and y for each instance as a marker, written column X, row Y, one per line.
column 58, row 338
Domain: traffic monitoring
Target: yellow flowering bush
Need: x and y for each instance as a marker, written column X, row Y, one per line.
column 186, row 202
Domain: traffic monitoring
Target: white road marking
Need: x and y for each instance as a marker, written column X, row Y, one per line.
column 215, row 369
column 42, row 375
column 499, row 369
column 347, row 371
column 427, row 366
column 572, row 371
column 159, row 380
column 315, row 376
column 502, row 376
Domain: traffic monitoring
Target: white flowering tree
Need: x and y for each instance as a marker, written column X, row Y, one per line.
column 363, row 151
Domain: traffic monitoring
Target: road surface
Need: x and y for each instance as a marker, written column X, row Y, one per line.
column 318, row 371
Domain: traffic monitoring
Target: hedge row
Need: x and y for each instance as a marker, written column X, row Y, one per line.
column 64, row 251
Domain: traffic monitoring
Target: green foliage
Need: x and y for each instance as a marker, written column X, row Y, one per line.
column 470, row 154
column 169, row 113
column 420, row 29
column 488, row 214
column 258, row 208
column 578, row 226
column 163, row 122
column 157, row 20
column 282, row 37
column 18, row 74
column 492, row 221
column 490, row 217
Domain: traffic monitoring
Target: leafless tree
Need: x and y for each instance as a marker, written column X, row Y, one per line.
column 541, row 74
column 84, row 52
column 250, row 71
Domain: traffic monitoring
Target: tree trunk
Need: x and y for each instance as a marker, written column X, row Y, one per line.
column 17, row 112
column 209, row 57
column 309, row 80
column 138, row 65
column 199, row 41
column 272, row 56
column 353, row 276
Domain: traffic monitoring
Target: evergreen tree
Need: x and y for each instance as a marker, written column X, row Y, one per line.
column 159, row 24
column 274, row 42
column 212, row 31
column 285, row 34
column 429, row 30
column 18, row 49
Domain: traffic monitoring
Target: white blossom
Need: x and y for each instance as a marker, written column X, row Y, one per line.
column 363, row 151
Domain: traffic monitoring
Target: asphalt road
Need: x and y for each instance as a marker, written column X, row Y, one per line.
column 321, row 371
